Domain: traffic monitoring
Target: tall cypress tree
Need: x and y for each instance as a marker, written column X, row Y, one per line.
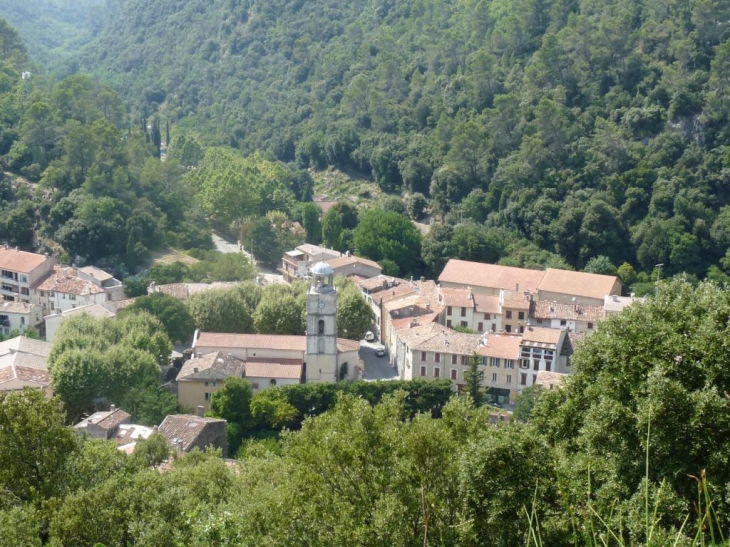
column 473, row 378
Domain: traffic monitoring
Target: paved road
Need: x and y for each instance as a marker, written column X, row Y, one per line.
column 225, row 246
column 376, row 368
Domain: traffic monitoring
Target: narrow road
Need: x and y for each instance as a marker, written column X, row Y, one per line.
column 225, row 246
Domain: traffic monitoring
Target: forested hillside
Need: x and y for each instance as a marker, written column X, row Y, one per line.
column 589, row 127
column 54, row 28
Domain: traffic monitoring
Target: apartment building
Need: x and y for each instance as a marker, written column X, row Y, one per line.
column 20, row 271
column 67, row 288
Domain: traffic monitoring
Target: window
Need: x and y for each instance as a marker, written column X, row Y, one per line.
column 508, row 314
column 272, row 381
column 494, row 361
column 423, row 358
column 51, row 294
column 423, row 371
column 215, row 384
column 534, row 378
column 64, row 296
column 23, row 279
column 486, row 317
column 463, row 312
column 321, row 326
column 437, row 357
column 547, row 365
column 206, row 384
column 454, row 374
column 523, row 379
column 448, row 323
column 254, row 385
column 464, row 324
column 508, row 328
column 453, row 359
column 536, row 365
column 509, row 379
column 563, row 322
column 494, row 327
column 72, row 297
column 436, row 372
column 463, row 359
column 524, row 363
column 207, row 396
column 480, row 327
column 520, row 315
column 43, row 293
column 590, row 326
column 448, row 310
column 509, row 363
column 539, row 321
column 521, row 328
column 51, row 306
column 494, row 377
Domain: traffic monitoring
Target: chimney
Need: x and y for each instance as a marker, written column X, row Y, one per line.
column 517, row 287
column 195, row 369
column 199, row 411
column 615, row 297
column 112, row 408
column 179, row 445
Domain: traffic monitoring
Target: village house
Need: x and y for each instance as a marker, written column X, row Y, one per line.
column 53, row 321
column 319, row 354
column 500, row 355
column 295, row 264
column 186, row 432
column 24, row 363
column 18, row 316
column 572, row 317
column 349, row 265
column 614, row 304
column 541, row 349
column 201, row 377
column 67, row 288
column 20, row 271
column 382, row 289
column 464, row 308
column 552, row 285
column 103, row 424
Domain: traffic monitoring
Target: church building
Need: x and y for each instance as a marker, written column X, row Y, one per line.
column 268, row 360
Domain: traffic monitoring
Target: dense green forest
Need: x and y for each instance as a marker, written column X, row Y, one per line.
column 53, row 29
column 585, row 127
column 633, row 450
column 579, row 134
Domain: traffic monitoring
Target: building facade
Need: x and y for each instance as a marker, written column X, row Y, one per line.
column 20, row 271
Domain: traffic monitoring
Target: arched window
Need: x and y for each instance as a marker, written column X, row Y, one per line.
column 321, row 326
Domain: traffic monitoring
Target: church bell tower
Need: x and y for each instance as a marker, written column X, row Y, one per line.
column 321, row 356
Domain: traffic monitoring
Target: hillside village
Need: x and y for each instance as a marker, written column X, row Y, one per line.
column 522, row 325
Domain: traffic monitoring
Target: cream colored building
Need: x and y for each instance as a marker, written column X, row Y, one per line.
column 201, row 377
column 572, row 317
column 67, row 288
column 20, row 271
column 54, row 321
column 577, row 287
column 24, row 363
column 18, row 316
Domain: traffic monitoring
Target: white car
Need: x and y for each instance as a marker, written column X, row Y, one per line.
column 380, row 352
column 369, row 336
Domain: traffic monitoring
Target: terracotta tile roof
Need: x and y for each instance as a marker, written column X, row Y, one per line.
column 487, row 304
column 417, row 334
column 516, row 301
column 64, row 279
column 116, row 305
column 20, row 261
column 324, row 203
column 265, row 341
column 7, row 306
column 96, row 273
column 449, row 341
column 192, row 430
column 393, row 293
column 94, row 310
column 25, row 345
column 501, row 346
column 550, row 380
column 195, row 288
column 273, row 370
column 176, row 290
column 107, row 420
column 568, row 312
column 460, row 298
column 345, row 261
column 25, row 367
column 213, row 366
column 541, row 337
column 378, row 283
column 406, row 322
column 579, row 283
column 476, row 274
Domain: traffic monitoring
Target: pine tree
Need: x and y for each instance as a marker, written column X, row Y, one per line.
column 473, row 378
column 167, row 133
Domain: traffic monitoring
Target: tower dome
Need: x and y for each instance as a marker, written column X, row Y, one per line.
column 322, row 268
